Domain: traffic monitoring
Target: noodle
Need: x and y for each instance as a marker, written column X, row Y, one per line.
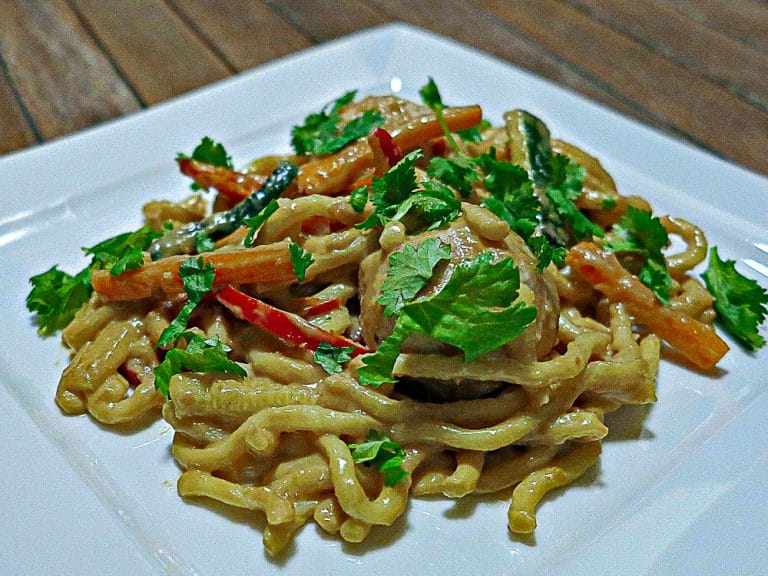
column 281, row 438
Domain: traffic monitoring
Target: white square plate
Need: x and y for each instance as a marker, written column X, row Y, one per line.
column 680, row 489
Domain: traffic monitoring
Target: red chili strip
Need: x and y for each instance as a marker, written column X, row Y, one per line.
column 284, row 325
column 388, row 146
column 321, row 308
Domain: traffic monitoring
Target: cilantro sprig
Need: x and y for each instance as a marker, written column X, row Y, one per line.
column 740, row 302
column 209, row 152
column 56, row 296
column 300, row 260
column 197, row 277
column 430, row 95
column 200, row 355
column 320, row 133
column 409, row 271
column 396, row 196
column 474, row 312
column 638, row 240
column 382, row 453
column 332, row 357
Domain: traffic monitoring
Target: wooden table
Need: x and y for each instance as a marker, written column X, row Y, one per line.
column 696, row 69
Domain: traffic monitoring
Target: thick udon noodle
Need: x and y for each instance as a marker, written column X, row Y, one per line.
column 278, row 439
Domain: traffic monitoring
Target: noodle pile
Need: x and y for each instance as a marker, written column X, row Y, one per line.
column 528, row 416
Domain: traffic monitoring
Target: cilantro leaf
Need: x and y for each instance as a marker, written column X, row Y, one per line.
column 382, row 453
column 458, row 173
column 409, row 271
column 608, row 204
column 474, row 312
column 256, row 222
column 740, row 302
column 210, row 152
column 389, row 191
column 474, row 134
column 124, row 251
column 200, row 355
column 56, row 296
column 300, row 260
column 197, row 277
column 565, row 187
column 430, row 95
column 358, row 199
column 638, row 239
column 331, row 358
column 203, row 242
column 320, row 132
column 434, row 206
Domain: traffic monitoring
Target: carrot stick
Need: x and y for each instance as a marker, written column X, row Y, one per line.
column 333, row 174
column 693, row 339
column 267, row 264
column 229, row 183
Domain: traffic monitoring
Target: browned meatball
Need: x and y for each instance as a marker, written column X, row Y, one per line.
column 465, row 244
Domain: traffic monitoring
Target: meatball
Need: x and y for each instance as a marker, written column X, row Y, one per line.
column 465, row 243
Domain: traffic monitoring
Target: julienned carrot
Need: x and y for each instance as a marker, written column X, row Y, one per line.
column 693, row 339
column 284, row 325
column 267, row 264
column 334, row 174
column 230, row 183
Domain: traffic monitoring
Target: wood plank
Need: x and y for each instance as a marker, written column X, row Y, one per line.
column 709, row 114
column 17, row 132
column 745, row 20
column 741, row 68
column 245, row 34
column 461, row 21
column 156, row 52
column 64, row 80
column 323, row 20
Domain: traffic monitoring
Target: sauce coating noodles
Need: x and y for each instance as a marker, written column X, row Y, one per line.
column 527, row 416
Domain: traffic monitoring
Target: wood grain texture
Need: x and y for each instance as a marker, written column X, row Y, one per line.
column 744, row 20
column 152, row 47
column 323, row 20
column 709, row 114
column 695, row 69
column 462, row 21
column 244, row 34
column 65, row 81
column 17, row 130
column 727, row 61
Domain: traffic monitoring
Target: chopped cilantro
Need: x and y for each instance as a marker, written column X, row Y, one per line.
column 320, row 132
column 56, row 296
column 197, row 277
column 124, row 251
column 300, row 260
column 358, row 199
column 608, row 204
column 391, row 189
column 203, row 242
column 382, row 453
column 200, row 355
column 458, row 173
column 740, row 302
column 256, row 222
column 409, row 271
column 430, row 95
column 638, row 240
column 433, row 206
column 210, row 152
column 474, row 134
column 474, row 312
column 565, row 187
column 331, row 358
column 514, row 200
